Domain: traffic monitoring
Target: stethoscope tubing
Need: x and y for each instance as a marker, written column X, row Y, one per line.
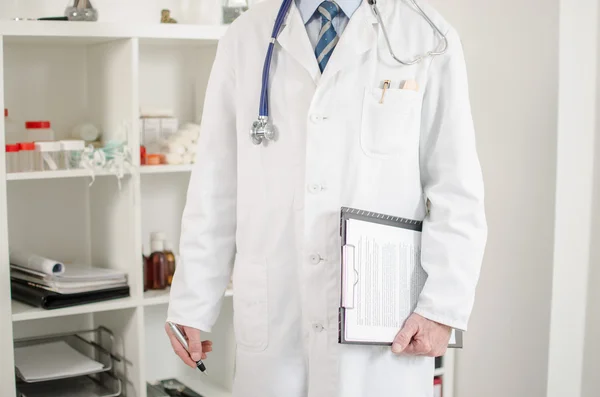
column 263, row 110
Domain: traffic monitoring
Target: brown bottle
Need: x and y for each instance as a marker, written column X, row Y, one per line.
column 147, row 279
column 170, row 262
column 157, row 265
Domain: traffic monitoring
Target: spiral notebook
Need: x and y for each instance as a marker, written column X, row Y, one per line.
column 382, row 276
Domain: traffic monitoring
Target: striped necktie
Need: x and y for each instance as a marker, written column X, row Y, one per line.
column 328, row 37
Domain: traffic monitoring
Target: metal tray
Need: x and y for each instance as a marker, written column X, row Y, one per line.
column 97, row 344
column 97, row 385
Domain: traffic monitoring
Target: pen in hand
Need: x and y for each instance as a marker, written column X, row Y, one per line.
column 179, row 335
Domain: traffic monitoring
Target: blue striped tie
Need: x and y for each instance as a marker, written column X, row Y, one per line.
column 328, row 37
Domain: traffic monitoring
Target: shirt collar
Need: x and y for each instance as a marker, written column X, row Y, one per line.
column 307, row 8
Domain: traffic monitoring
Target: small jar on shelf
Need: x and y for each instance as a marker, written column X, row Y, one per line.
column 71, row 154
column 12, row 158
column 12, row 131
column 39, row 131
column 48, row 156
column 27, row 156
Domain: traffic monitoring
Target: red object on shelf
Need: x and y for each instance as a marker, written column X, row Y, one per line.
column 154, row 159
column 26, row 146
column 12, row 148
column 5, row 112
column 437, row 387
column 34, row 125
column 142, row 155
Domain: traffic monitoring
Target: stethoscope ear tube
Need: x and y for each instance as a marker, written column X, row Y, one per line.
column 264, row 96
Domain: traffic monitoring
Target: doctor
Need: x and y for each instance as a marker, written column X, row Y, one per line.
column 353, row 128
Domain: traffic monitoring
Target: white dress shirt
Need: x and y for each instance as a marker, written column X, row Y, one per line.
column 312, row 19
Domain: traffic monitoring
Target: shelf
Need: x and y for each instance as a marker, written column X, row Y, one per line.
column 24, row 176
column 152, row 298
column 79, row 32
column 438, row 372
column 23, row 312
column 163, row 169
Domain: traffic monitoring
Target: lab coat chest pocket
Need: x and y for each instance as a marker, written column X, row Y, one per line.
column 390, row 121
column 250, row 304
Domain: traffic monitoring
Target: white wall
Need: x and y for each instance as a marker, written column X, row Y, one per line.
column 573, row 222
column 512, row 52
column 591, row 363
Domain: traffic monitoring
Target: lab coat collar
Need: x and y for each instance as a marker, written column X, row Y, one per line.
column 294, row 40
column 359, row 36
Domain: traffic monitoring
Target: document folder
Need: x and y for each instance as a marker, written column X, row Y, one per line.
column 382, row 277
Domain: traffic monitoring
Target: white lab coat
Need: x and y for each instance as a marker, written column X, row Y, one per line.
column 274, row 210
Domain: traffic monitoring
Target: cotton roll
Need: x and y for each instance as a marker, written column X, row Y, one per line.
column 174, row 158
column 176, row 148
column 187, row 158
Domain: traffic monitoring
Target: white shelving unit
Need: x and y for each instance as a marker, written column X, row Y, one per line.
column 103, row 73
column 75, row 72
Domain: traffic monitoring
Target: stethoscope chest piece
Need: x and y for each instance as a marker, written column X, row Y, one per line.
column 262, row 131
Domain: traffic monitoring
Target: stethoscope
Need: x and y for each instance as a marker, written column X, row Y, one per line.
column 262, row 130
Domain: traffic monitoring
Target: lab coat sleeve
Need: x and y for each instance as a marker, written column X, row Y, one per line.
column 455, row 230
column 208, row 226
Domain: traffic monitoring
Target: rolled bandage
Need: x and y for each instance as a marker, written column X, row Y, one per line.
column 174, row 158
column 176, row 147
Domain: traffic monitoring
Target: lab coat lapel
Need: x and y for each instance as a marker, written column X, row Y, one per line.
column 294, row 40
column 359, row 36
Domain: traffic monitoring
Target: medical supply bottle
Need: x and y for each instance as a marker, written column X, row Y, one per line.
column 147, row 281
column 158, row 265
column 27, row 157
column 12, row 131
column 12, row 158
column 170, row 262
column 39, row 131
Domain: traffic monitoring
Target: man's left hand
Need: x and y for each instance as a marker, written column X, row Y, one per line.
column 422, row 337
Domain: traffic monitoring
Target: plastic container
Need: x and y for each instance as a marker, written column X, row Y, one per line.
column 48, row 156
column 12, row 158
column 39, row 131
column 12, row 132
column 27, row 157
column 71, row 154
column 154, row 159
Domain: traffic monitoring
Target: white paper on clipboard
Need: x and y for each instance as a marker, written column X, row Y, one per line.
column 381, row 276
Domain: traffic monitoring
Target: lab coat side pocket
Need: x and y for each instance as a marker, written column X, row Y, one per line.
column 390, row 121
column 250, row 305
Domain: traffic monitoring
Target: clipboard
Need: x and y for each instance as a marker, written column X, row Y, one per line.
column 353, row 260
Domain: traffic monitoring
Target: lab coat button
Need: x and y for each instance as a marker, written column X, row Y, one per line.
column 318, row 327
column 315, row 118
column 315, row 188
column 315, row 259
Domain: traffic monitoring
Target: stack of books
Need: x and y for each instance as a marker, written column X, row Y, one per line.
column 73, row 285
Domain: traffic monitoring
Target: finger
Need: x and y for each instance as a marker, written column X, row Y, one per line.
column 194, row 342
column 180, row 350
column 403, row 338
column 206, row 348
column 419, row 347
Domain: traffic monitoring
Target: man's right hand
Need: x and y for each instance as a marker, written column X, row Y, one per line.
column 198, row 348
